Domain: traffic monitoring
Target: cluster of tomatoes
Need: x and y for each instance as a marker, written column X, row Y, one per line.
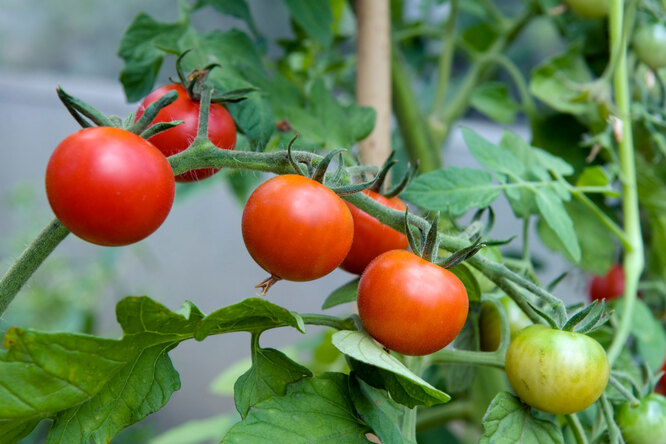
column 111, row 187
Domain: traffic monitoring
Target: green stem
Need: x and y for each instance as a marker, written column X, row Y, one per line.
column 603, row 217
column 328, row 321
column 614, row 434
column 29, row 261
column 519, row 80
column 576, row 428
column 415, row 364
column 446, row 57
column 633, row 258
column 469, row 357
column 526, row 239
column 438, row 415
column 623, row 391
column 415, row 132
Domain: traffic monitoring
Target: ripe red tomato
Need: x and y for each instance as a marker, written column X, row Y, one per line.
column 109, row 186
column 371, row 237
column 556, row 371
column 661, row 385
column 221, row 127
column 609, row 286
column 411, row 305
column 296, row 229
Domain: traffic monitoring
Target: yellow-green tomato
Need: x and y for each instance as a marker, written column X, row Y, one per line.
column 592, row 9
column 649, row 42
column 644, row 424
column 556, row 371
column 490, row 326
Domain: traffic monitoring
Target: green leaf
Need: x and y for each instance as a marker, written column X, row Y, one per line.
column 235, row 8
column 14, row 431
column 342, row 295
column 378, row 410
column 594, row 176
column 460, row 377
column 142, row 59
column 508, row 421
column 316, row 18
column 142, row 387
column 314, row 410
column 597, row 243
column 404, row 386
column 493, row 100
column 455, row 190
column 491, row 156
column 553, row 82
column 469, row 281
column 537, row 162
column 252, row 314
column 554, row 213
column 648, row 332
column 269, row 375
column 255, row 119
column 200, row 431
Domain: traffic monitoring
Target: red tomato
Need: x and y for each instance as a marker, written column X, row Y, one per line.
column 296, row 229
column 411, row 305
column 221, row 127
column 610, row 286
column 371, row 237
column 109, row 186
column 661, row 385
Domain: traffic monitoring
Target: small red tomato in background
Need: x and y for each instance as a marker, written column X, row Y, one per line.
column 661, row 385
column 109, row 186
column 296, row 228
column 410, row 305
column 609, row 286
column 221, row 127
column 371, row 237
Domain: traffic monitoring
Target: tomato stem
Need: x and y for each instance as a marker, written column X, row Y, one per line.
column 576, row 428
column 469, row 357
column 415, row 364
column 266, row 284
column 31, row 258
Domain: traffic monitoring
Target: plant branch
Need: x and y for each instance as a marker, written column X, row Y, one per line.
column 328, row 321
column 446, row 57
column 438, row 415
column 29, row 261
column 576, row 428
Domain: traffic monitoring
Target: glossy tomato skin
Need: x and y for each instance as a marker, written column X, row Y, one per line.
column 592, row 9
column 296, row 228
column 610, row 286
column 556, row 371
column 410, row 305
column 221, row 127
column 661, row 385
column 490, row 325
column 649, row 42
column 109, row 186
column 371, row 237
column 644, row 424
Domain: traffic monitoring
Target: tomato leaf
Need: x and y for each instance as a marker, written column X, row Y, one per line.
column 493, row 100
column 378, row 410
column 142, row 58
column 253, row 315
column 509, row 421
column 469, row 281
column 316, row 18
column 404, row 386
column 491, row 156
column 235, row 8
column 269, row 375
column 312, row 410
column 342, row 295
column 555, row 214
column 648, row 332
column 14, row 431
column 453, row 190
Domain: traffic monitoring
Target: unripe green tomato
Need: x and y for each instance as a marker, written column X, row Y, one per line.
column 592, row 9
column 490, row 326
column 556, row 371
column 649, row 42
column 645, row 424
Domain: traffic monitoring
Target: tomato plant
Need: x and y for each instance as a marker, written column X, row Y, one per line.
column 296, row 228
column 609, row 286
column 489, row 322
column 409, row 304
column 649, row 42
column 644, row 424
column 221, row 127
column 109, row 186
column 556, row 371
column 592, row 9
column 371, row 237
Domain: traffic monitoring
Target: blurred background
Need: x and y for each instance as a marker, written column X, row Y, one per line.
column 198, row 253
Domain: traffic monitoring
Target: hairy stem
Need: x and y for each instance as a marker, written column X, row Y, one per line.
column 29, row 261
